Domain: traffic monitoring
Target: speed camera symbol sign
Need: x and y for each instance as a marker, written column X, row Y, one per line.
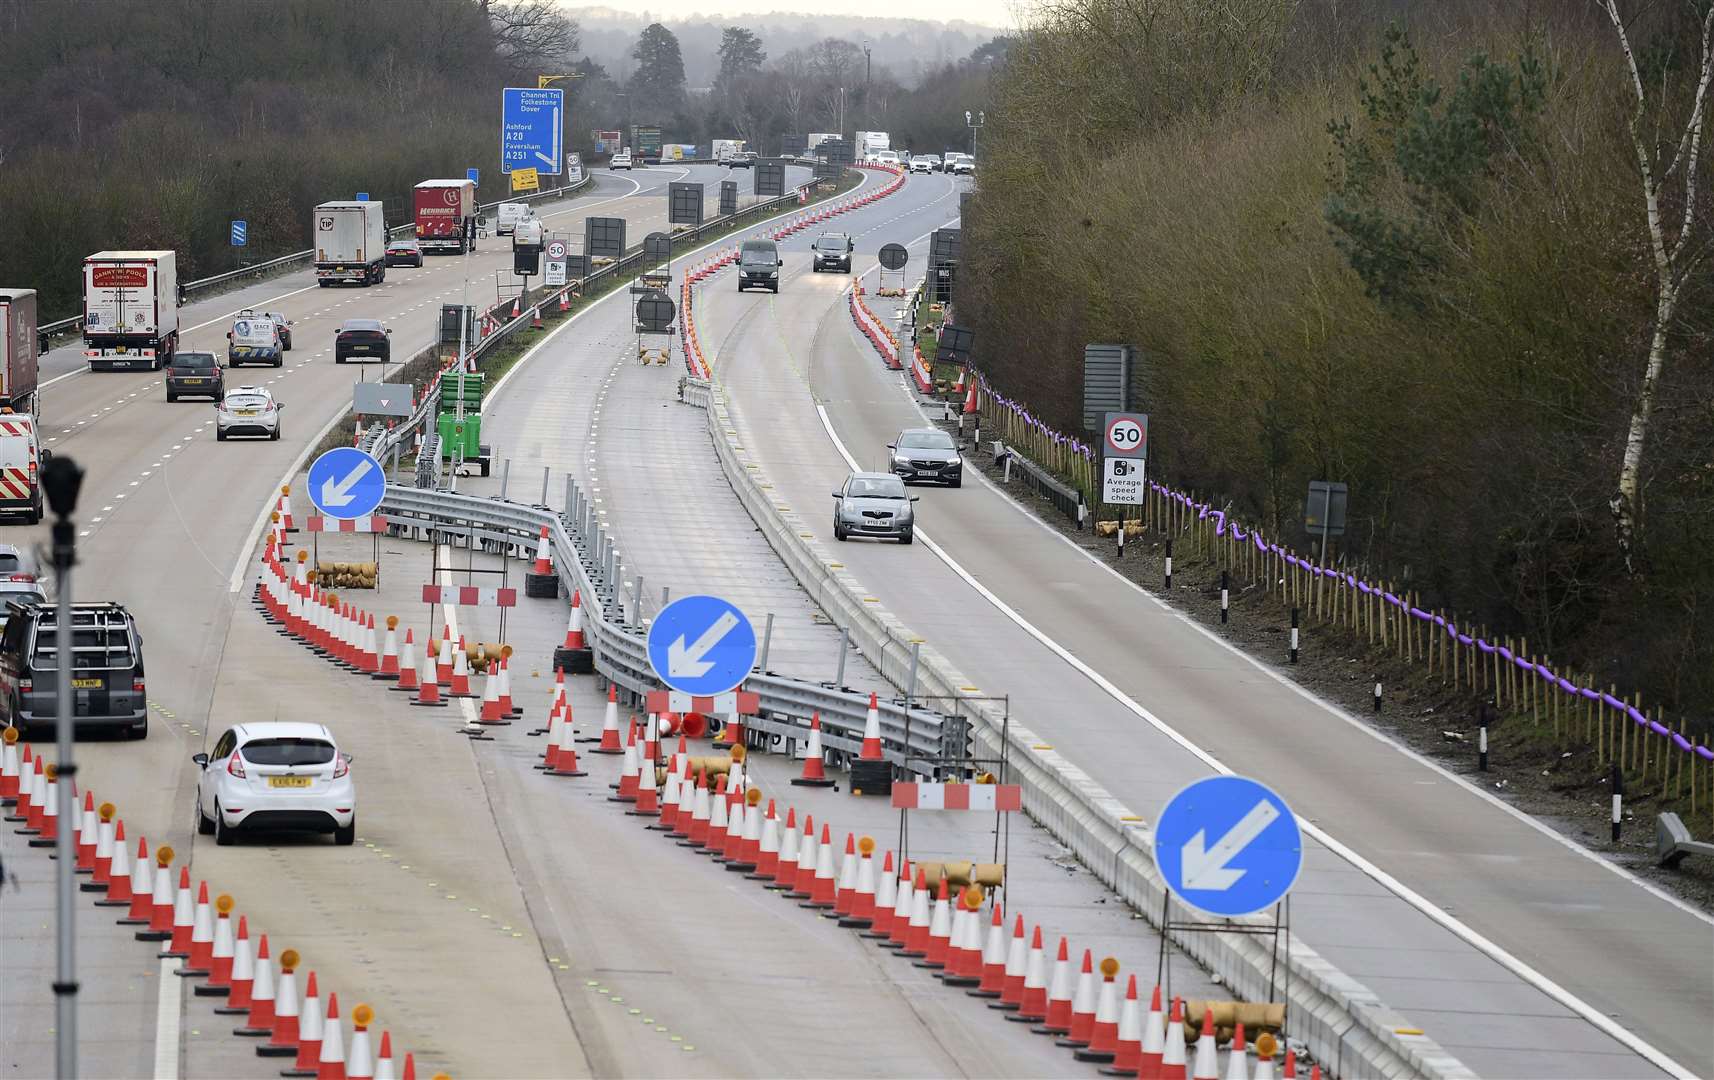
column 1127, row 435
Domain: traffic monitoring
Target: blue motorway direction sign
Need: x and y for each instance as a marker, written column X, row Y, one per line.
column 531, row 122
column 240, row 232
column 1228, row 846
column 345, row 482
column 474, row 175
column 701, row 645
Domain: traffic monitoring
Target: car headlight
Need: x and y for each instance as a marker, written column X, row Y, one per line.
column 773, row 273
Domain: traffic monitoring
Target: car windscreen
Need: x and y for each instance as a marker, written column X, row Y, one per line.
column 879, row 488
column 245, row 401
column 927, row 440
column 193, row 360
column 287, row 752
column 831, row 243
column 759, row 253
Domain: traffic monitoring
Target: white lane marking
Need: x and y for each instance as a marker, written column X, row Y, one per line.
column 169, row 1002
column 1398, row 888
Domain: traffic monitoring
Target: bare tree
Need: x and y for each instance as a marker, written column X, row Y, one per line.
column 1675, row 256
column 531, row 33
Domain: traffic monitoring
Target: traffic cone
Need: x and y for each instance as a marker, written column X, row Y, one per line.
column 162, row 899
column 330, row 1060
column 1237, row 1064
column 31, row 789
column 1032, row 1002
column 1082, row 1005
column 669, row 800
column 101, row 855
column 682, row 817
column 824, row 885
column 814, row 771
column 610, row 725
column 45, row 810
column 1104, row 1033
column 565, row 761
column 443, row 659
column 310, row 1030
column 243, row 981
column 490, row 713
column 970, row 398
column 507, row 706
column 750, row 842
column 371, row 649
column 84, row 842
column 904, row 903
column 428, row 684
column 803, row 882
column 1059, row 998
column 200, row 954
column 718, row 819
column 119, row 873
column 845, row 886
column 142, row 888
column 916, row 931
column 651, row 737
column 221, row 952
column 785, row 866
column 1207, row 1062
column 517, row 306
column 630, row 769
column 964, row 951
column 1266, row 1047
column 285, row 1006
column 648, row 792
column 732, row 847
column 993, row 981
column 939, row 930
column 1127, row 1040
column 389, row 670
column 259, row 1017
column 544, row 558
column 701, row 817
column 184, row 918
column 461, row 672
column 9, row 767
column 871, row 732
column 565, row 300
column 1172, row 1053
column 407, row 663
column 731, row 732
column 886, row 898
column 574, row 626
column 1012, row 981
column 1154, row 1039
column 360, row 1064
column 384, row 1060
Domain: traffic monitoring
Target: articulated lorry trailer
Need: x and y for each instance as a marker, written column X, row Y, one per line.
column 130, row 309
column 350, row 243
column 445, row 214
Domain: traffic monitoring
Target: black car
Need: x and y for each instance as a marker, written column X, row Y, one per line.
column 832, row 251
column 746, row 160
column 106, row 668
column 927, row 454
column 362, row 339
column 404, row 252
column 195, row 374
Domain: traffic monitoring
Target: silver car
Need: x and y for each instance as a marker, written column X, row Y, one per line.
column 248, row 410
column 873, row 504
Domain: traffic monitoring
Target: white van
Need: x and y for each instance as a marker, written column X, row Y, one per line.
column 254, row 339
column 510, row 214
column 21, row 458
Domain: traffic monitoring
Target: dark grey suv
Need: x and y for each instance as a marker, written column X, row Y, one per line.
column 927, row 454
column 106, row 668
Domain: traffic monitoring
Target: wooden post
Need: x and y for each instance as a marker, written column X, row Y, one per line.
column 1602, row 747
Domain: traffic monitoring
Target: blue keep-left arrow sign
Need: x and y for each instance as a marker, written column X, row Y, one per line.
column 1228, row 845
column 345, row 482
column 701, row 645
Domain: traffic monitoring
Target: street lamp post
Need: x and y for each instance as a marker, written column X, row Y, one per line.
column 61, row 479
column 974, row 122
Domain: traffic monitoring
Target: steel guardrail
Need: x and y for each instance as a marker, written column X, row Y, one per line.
column 618, row 640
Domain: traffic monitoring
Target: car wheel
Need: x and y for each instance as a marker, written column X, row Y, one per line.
column 347, row 835
column 224, row 834
column 172, row 396
column 286, row 343
column 275, row 436
column 34, row 515
column 907, row 536
column 280, row 361
column 838, row 533
column 204, row 827
column 219, row 436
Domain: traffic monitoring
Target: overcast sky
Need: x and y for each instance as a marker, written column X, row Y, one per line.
column 987, row 12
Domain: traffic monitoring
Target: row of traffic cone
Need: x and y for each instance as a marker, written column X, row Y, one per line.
column 872, row 328
column 338, row 630
column 215, row 949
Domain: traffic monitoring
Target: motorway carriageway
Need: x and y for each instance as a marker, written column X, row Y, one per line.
column 167, row 520
column 803, row 386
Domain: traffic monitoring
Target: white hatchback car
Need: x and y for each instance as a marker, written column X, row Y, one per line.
column 276, row 775
column 248, row 410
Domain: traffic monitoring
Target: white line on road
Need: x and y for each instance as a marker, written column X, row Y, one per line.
column 168, row 1004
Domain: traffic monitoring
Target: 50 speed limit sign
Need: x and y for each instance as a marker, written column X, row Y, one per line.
column 1127, row 435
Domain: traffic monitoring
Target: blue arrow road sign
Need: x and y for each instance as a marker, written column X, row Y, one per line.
column 473, row 175
column 701, row 645
column 530, row 127
column 345, row 482
column 1228, row 846
column 240, row 232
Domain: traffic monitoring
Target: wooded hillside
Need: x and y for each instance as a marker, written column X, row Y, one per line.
column 1397, row 244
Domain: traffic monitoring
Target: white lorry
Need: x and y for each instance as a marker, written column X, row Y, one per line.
column 870, row 143
column 350, row 243
column 130, row 309
column 510, row 213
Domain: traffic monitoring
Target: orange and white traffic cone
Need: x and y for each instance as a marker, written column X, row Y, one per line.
column 163, row 899
column 803, row 879
column 184, row 918
column 732, row 849
column 330, row 1056
column 1012, row 982
column 630, row 769
column 310, row 1027
column 845, row 884
column 507, row 706
column 871, row 732
column 371, row 647
column 970, row 398
column 863, row 901
column 221, row 951
column 287, row 1029
column 825, row 884
column 406, row 662
column 565, row 761
column 1172, row 1054
column 749, row 855
column 963, row 950
column 142, row 888
column 1059, row 999
column 701, row 814
column 101, row 853
column 916, row 930
column 610, row 725
column 9, row 767
column 389, row 669
column 544, row 557
column 939, row 930
column 1266, row 1048
column 904, row 903
column 574, row 626
column 32, row 790
column 428, row 684
column 443, row 659
column 1032, row 999
column 719, row 816
column 461, row 672
column 814, row 769
column 243, row 981
column 1104, row 1034
column 731, row 732
column 1154, row 1039
column 490, row 713
column 536, row 317
column 1082, row 1005
column 565, row 300
column 259, row 1017
column 669, row 800
column 1237, row 1063
column 517, row 306
column 993, row 980
column 686, row 799
column 118, row 871
column 360, row 1063
column 1206, row 1065
column 886, row 899
column 45, row 810
column 648, row 791
column 783, row 864
column 384, row 1065
column 200, row 963
column 1128, row 1039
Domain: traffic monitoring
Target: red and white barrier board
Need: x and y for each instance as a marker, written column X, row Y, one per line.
column 915, row 796
column 469, row 596
column 316, row 523
column 741, row 702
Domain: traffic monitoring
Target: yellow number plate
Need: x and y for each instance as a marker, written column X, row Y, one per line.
column 246, row 412
column 288, row 781
column 86, row 684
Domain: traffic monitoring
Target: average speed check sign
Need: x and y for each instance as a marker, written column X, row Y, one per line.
column 553, row 271
column 1124, row 458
